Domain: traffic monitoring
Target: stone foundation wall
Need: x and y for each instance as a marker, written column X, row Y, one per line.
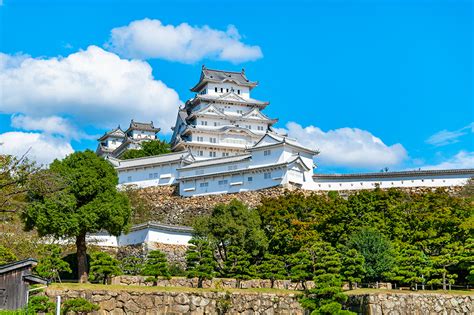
column 118, row 302
column 411, row 303
column 216, row 283
column 168, row 207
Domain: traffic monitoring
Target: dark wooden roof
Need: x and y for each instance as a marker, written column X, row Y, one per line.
column 18, row 264
column 135, row 125
column 221, row 76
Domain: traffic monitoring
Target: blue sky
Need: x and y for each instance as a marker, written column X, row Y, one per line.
column 370, row 84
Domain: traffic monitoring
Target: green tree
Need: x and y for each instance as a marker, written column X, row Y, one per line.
column 200, row 261
column 156, row 266
column 40, row 304
column 449, row 256
column 14, row 176
column 132, row 265
column 376, row 250
column 148, row 148
column 103, row 266
column 89, row 202
column 301, row 267
column 51, row 263
column 6, row 255
column 352, row 269
column 79, row 306
column 273, row 267
column 411, row 266
column 327, row 295
column 235, row 235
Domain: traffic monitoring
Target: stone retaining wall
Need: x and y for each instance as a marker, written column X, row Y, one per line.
column 118, row 302
column 216, row 283
column 411, row 303
column 168, row 207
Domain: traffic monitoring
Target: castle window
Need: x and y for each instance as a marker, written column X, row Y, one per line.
column 249, row 179
column 200, row 153
column 150, row 176
column 238, row 91
column 267, row 152
column 215, row 89
column 129, row 178
column 227, row 90
column 212, row 154
column 239, row 111
column 200, row 139
column 232, row 167
column 222, row 90
column 203, row 122
column 223, row 182
column 267, row 175
column 213, row 140
column 216, row 124
column 260, row 127
column 225, row 153
column 155, row 175
column 205, row 184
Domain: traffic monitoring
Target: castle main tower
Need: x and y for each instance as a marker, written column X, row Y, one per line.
column 222, row 119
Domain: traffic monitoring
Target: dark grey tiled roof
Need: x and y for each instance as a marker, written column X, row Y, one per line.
column 135, row 125
column 218, row 76
column 117, row 132
column 468, row 172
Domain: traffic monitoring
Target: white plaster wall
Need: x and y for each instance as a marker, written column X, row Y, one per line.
column 143, row 236
column 213, row 169
column 139, row 134
column 235, row 183
column 244, row 91
column 165, row 175
column 370, row 183
column 168, row 237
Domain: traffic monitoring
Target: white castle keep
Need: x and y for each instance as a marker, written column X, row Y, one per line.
column 223, row 143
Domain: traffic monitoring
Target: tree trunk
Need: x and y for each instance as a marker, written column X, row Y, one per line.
column 81, row 257
column 444, row 280
column 200, row 282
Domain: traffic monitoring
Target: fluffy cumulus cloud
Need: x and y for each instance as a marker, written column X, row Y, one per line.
column 148, row 38
column 41, row 148
column 347, row 147
column 53, row 125
column 92, row 87
column 463, row 159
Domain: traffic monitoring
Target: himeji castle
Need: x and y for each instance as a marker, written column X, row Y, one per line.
column 222, row 142
column 222, row 119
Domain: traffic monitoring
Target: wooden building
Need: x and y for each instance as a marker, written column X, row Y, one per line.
column 14, row 281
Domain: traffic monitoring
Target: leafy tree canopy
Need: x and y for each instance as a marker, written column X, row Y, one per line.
column 6, row 255
column 148, row 148
column 103, row 266
column 88, row 202
column 156, row 266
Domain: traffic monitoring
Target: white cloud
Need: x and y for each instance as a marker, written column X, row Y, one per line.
column 148, row 38
column 463, row 159
column 92, row 87
column 53, row 125
column 445, row 137
column 43, row 149
column 347, row 147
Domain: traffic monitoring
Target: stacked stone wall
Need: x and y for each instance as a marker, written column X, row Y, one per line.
column 118, row 302
column 128, row 301
column 411, row 303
